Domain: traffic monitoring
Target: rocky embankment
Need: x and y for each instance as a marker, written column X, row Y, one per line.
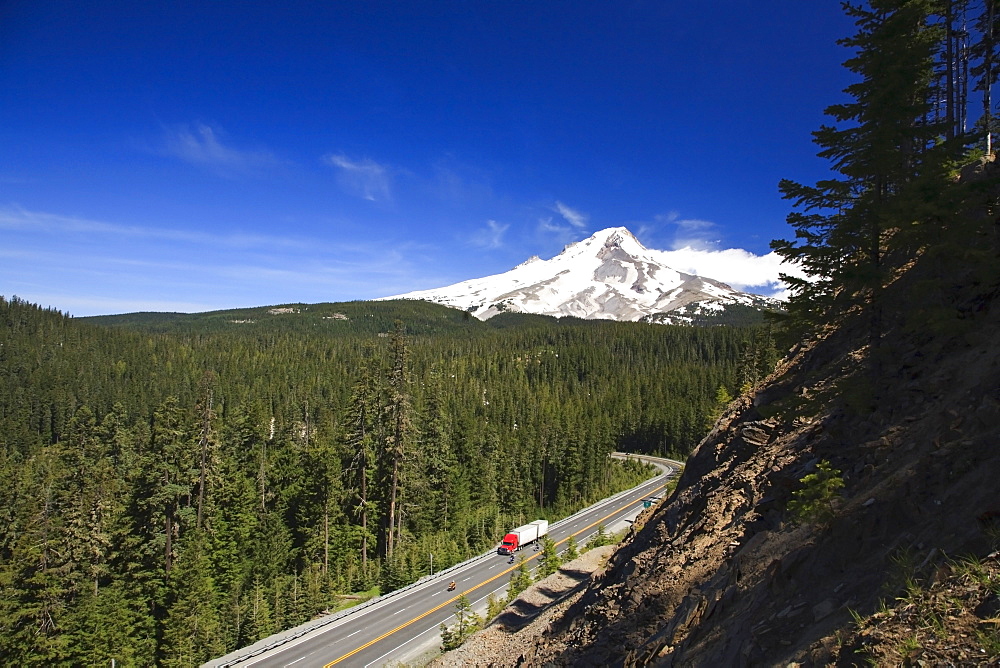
column 721, row 575
column 515, row 631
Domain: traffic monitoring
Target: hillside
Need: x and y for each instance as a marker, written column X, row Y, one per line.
column 184, row 485
column 722, row 576
column 366, row 318
column 328, row 319
column 901, row 566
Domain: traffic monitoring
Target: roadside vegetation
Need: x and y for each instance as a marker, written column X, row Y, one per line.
column 191, row 484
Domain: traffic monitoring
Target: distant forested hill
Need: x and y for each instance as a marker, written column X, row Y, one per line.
column 335, row 319
column 181, row 485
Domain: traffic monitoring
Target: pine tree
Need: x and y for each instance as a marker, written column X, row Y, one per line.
column 33, row 581
column 172, row 453
column 360, row 436
column 107, row 626
column 846, row 228
column 398, row 431
column 467, row 622
column 324, row 494
column 89, row 498
column 722, row 400
column 436, row 451
column 551, row 561
column 192, row 632
column 206, row 439
column 600, row 538
column 572, row 551
column 814, row 501
column 986, row 70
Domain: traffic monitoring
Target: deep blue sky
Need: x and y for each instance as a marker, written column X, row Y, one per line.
column 192, row 156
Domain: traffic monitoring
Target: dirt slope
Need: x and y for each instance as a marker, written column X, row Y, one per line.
column 515, row 630
column 720, row 576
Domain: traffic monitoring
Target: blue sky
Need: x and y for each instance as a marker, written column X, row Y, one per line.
column 191, row 156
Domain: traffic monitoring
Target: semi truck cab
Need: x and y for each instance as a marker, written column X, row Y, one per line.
column 509, row 544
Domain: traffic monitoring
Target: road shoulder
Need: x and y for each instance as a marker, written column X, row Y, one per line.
column 517, row 627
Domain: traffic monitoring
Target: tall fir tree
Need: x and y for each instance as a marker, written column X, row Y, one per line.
column 846, row 227
column 986, row 70
column 192, row 631
column 360, row 437
column 397, row 434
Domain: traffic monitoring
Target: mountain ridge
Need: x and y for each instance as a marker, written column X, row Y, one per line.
column 610, row 276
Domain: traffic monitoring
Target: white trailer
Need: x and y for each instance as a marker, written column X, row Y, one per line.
column 521, row 536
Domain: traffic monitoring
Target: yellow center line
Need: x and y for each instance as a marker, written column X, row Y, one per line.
column 481, row 584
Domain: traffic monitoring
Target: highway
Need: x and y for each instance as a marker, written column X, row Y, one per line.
column 405, row 624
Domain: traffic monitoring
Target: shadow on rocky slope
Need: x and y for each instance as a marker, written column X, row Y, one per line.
column 721, row 575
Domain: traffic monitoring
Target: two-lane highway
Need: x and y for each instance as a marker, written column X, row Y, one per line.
column 405, row 623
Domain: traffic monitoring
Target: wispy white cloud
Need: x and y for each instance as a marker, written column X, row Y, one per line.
column 572, row 216
column 562, row 234
column 365, row 178
column 491, row 236
column 89, row 266
column 691, row 232
column 201, row 145
column 572, row 228
column 17, row 218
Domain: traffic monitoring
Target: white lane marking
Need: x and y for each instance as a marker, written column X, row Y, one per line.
column 320, row 630
column 376, row 661
column 436, row 629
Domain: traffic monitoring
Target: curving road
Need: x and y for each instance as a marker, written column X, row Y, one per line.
column 405, row 624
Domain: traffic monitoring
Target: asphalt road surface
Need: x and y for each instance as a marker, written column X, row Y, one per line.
column 405, row 624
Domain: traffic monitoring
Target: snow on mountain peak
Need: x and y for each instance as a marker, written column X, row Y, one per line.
column 609, row 275
column 617, row 236
column 533, row 258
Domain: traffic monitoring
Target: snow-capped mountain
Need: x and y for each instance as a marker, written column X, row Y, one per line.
column 609, row 276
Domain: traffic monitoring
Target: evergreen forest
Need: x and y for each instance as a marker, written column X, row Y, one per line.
column 178, row 486
column 913, row 184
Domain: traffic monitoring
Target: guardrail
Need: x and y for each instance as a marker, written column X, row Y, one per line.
column 287, row 636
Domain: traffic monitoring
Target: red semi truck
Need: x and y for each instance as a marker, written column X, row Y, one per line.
column 521, row 536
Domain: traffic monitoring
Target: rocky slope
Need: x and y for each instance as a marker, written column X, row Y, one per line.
column 515, row 631
column 721, row 575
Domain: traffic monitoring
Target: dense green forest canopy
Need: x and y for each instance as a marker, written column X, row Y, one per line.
column 177, row 486
column 181, row 485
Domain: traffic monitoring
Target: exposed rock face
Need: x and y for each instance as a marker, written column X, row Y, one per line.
column 514, row 631
column 721, row 576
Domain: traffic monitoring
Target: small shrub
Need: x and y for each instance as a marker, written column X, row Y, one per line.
column 495, row 605
column 520, row 579
column 599, row 539
column 550, row 559
column 467, row 623
column 572, row 552
column 814, row 502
